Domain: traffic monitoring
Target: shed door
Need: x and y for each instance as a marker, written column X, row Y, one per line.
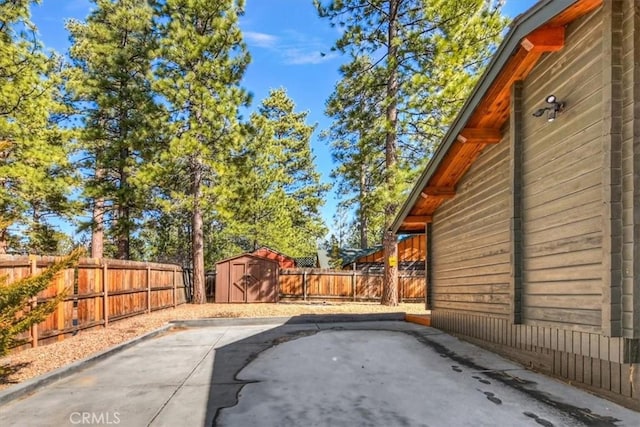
column 269, row 283
column 237, row 289
column 254, row 282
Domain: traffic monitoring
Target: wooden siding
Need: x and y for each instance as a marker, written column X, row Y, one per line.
column 603, row 363
column 410, row 249
column 471, row 239
column 562, row 216
column 630, row 169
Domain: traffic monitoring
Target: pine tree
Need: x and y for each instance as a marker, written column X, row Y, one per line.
column 202, row 58
column 16, row 314
column 354, row 136
column 426, row 55
column 110, row 82
column 274, row 191
column 301, row 182
column 35, row 176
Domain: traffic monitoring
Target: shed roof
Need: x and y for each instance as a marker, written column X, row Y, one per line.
column 250, row 255
column 479, row 122
column 267, row 248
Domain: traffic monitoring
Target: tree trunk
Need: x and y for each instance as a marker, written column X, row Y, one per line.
column 3, row 241
column 390, row 284
column 364, row 224
column 199, row 295
column 124, row 228
column 390, row 293
column 124, row 251
column 97, row 231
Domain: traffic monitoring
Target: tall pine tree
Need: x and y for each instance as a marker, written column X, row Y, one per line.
column 201, row 62
column 35, row 175
column 274, row 191
column 426, row 55
column 356, row 107
column 302, row 182
column 111, row 84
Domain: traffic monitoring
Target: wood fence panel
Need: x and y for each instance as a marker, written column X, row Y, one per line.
column 90, row 295
column 412, row 287
column 339, row 284
column 291, row 283
column 127, row 285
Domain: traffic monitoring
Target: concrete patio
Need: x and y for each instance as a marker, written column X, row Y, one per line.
column 309, row 372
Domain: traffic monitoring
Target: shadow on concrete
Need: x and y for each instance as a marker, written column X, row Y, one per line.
column 230, row 359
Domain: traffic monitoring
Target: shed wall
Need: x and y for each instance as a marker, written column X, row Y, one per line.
column 246, row 278
column 562, row 184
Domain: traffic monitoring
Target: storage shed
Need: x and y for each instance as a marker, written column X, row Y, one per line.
column 246, row 278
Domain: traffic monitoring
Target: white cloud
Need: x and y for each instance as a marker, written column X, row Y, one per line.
column 298, row 56
column 292, row 47
column 260, row 39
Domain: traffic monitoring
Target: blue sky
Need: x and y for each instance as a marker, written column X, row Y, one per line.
column 285, row 38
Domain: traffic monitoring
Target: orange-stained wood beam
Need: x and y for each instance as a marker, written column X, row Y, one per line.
column 417, row 219
column 574, row 12
column 488, row 112
column 545, row 39
column 480, row 135
column 441, row 192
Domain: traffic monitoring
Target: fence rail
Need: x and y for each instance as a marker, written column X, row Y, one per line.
column 132, row 288
column 355, row 285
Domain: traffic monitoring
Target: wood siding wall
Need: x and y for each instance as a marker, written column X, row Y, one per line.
column 570, row 214
column 588, row 358
column 411, row 249
column 562, row 185
column 471, row 240
column 630, row 118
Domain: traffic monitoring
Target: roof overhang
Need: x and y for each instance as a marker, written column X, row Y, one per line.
column 480, row 121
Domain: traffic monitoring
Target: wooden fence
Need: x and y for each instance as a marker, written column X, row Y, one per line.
column 132, row 288
column 352, row 285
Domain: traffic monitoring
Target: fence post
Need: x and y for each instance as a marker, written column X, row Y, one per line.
column 62, row 305
column 353, row 283
column 96, row 271
column 304, row 285
column 148, row 289
column 34, row 301
column 105, row 292
column 175, row 302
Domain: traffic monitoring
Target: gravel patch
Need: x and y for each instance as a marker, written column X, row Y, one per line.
column 32, row 362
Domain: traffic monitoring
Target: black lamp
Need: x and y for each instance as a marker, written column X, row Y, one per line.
column 553, row 110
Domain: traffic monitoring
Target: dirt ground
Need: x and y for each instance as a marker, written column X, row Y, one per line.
column 32, row 362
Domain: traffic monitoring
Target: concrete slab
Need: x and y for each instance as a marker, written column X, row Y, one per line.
column 354, row 377
column 327, row 373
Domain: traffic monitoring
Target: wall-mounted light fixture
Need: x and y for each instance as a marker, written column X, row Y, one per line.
column 553, row 110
